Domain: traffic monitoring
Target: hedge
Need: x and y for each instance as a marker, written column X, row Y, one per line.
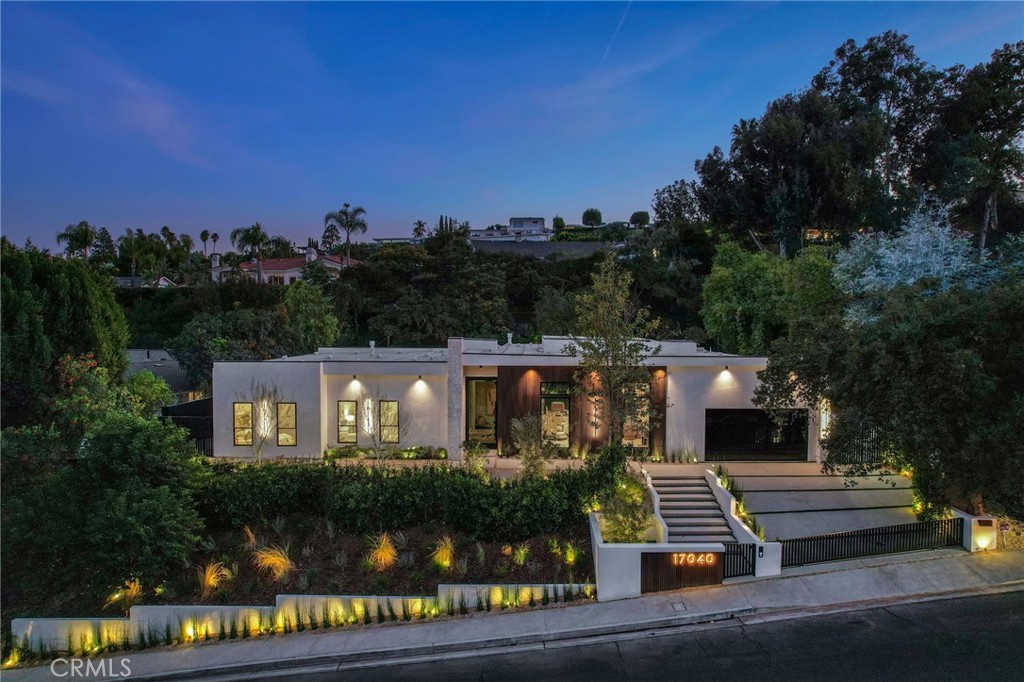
column 363, row 499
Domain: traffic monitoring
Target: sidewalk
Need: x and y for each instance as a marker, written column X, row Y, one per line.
column 797, row 592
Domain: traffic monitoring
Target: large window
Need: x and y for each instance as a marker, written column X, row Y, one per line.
column 388, row 418
column 242, row 421
column 287, row 434
column 348, row 421
column 481, row 401
column 636, row 433
column 555, row 401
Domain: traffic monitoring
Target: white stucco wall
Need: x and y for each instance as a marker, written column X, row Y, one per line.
column 297, row 382
column 692, row 390
column 422, row 405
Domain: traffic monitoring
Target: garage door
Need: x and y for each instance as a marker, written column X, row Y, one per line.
column 737, row 435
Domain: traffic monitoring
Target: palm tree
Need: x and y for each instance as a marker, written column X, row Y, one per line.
column 419, row 229
column 169, row 237
column 252, row 239
column 131, row 246
column 215, row 238
column 204, row 237
column 79, row 238
column 350, row 220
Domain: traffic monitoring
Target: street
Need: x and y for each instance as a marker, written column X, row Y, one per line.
column 975, row 638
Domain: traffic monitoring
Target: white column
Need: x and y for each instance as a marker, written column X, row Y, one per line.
column 456, row 399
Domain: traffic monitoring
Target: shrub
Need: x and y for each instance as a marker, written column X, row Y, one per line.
column 444, row 553
column 211, row 577
column 533, row 449
column 343, row 452
column 383, row 553
column 474, row 457
column 274, row 560
column 627, row 512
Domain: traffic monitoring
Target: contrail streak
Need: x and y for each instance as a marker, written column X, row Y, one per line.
column 614, row 35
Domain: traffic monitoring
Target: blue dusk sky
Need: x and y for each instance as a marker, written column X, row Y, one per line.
column 204, row 115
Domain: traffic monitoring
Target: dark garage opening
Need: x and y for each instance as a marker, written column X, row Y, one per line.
column 738, row 435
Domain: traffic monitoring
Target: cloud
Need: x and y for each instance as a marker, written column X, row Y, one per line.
column 80, row 77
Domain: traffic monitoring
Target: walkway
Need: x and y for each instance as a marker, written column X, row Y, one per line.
column 690, row 510
column 849, row 584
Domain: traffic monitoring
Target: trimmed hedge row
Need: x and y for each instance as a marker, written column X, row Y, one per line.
column 363, row 499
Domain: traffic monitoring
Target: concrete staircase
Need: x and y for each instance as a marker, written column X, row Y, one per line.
column 691, row 510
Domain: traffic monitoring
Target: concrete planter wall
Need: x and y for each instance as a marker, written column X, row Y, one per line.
column 186, row 623
column 617, row 565
column 769, row 554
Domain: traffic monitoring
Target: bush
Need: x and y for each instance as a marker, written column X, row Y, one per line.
column 627, row 512
column 344, row 452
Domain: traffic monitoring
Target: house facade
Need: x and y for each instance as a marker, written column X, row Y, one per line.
column 517, row 230
column 700, row 402
column 278, row 270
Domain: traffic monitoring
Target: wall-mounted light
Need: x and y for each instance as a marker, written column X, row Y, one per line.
column 353, row 376
column 727, row 368
column 420, row 377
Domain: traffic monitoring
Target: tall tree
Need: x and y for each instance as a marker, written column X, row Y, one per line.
column 204, row 236
column 592, row 217
column 252, row 240
column 612, row 343
column 348, row 219
column 640, row 219
column 79, row 238
column 52, row 307
column 131, row 247
column 215, row 238
column 558, row 223
column 310, row 320
column 419, row 229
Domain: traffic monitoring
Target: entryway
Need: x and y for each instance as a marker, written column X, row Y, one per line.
column 746, row 435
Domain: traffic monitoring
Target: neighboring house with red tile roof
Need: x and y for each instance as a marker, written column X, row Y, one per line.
column 279, row 270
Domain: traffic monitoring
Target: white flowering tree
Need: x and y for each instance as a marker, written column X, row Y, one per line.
column 926, row 249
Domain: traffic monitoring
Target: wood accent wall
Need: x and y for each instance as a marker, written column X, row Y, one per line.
column 519, row 396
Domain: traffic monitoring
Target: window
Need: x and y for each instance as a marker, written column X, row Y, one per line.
column 636, row 432
column 291, row 280
column 481, row 399
column 242, row 423
column 286, row 431
column 555, row 402
column 348, row 422
column 388, row 418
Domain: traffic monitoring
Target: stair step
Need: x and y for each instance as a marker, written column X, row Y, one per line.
column 701, row 538
column 665, row 490
column 710, row 504
column 691, row 513
column 697, row 521
column 687, row 497
column 662, row 479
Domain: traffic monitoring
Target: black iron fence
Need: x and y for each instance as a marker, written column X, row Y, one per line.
column 197, row 418
column 739, row 559
column 907, row 537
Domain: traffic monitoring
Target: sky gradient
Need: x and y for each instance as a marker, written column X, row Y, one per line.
column 215, row 116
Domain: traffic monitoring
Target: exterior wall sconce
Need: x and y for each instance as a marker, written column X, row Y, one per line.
column 420, row 377
column 727, row 368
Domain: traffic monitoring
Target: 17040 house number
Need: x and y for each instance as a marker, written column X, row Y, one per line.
column 694, row 559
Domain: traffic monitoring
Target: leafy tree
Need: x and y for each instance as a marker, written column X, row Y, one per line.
column 310, row 321
column 612, row 344
column 280, row 247
column 254, row 241
column 349, row 219
column 555, row 312
column 640, row 219
column 79, row 238
column 104, row 251
column 558, row 223
column 316, row 273
column 592, row 217
column 419, row 229
column 130, row 493
column 751, row 299
column 131, row 247
column 233, row 335
column 52, row 307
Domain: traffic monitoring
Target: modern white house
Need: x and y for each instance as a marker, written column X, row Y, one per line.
column 700, row 402
column 280, row 270
column 518, row 230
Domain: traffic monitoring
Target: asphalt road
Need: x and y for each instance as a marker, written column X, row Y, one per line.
column 976, row 638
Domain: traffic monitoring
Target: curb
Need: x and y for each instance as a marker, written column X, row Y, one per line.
column 333, row 662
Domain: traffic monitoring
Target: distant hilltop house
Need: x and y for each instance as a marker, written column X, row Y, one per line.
column 136, row 282
column 279, row 270
column 518, row 230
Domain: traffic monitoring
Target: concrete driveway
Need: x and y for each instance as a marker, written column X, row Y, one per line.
column 793, row 500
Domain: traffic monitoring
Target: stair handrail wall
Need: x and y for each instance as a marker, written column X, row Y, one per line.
column 728, row 504
column 662, row 527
